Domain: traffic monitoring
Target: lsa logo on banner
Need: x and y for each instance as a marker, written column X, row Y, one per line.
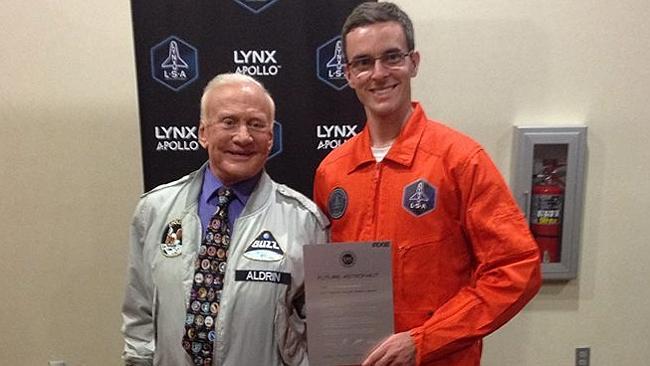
column 174, row 63
column 330, row 64
column 256, row 6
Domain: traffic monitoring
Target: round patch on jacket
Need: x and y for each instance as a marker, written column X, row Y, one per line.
column 419, row 198
column 337, row 203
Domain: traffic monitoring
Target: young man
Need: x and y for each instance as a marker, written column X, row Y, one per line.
column 464, row 262
column 215, row 271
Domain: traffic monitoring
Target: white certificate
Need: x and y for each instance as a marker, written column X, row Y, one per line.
column 349, row 299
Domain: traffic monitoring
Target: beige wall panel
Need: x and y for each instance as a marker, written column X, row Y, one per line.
column 71, row 163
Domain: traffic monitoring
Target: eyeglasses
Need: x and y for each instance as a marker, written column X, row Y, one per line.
column 233, row 125
column 359, row 66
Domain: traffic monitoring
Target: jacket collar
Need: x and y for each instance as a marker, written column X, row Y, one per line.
column 194, row 188
column 259, row 197
column 404, row 147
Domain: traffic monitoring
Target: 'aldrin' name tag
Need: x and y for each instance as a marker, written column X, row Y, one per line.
column 263, row 276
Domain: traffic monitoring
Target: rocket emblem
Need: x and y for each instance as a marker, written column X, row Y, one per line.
column 419, row 197
column 330, row 63
column 174, row 63
column 335, row 64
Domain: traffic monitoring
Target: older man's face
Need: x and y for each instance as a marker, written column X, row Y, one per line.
column 238, row 131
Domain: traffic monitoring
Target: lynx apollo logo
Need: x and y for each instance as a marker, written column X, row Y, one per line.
column 186, row 138
column 256, row 62
column 332, row 136
column 177, row 138
column 330, row 64
column 256, row 6
column 174, row 63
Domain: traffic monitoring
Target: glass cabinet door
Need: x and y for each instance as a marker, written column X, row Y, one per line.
column 548, row 185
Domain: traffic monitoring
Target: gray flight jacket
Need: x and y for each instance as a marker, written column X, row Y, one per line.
column 261, row 319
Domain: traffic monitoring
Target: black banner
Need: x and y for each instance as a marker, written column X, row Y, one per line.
column 293, row 47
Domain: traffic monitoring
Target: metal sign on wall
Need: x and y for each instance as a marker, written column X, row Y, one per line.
column 292, row 47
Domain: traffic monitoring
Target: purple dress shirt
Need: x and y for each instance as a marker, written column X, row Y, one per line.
column 208, row 197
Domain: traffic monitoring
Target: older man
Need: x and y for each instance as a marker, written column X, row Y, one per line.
column 464, row 261
column 215, row 270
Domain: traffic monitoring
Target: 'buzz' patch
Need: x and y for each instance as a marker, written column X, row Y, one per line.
column 419, row 197
column 264, row 248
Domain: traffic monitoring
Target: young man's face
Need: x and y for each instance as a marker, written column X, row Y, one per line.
column 238, row 132
column 384, row 89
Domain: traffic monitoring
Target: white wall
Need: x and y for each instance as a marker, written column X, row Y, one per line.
column 489, row 65
column 70, row 157
column 71, row 175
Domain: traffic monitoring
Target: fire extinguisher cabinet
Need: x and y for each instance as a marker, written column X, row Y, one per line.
column 547, row 181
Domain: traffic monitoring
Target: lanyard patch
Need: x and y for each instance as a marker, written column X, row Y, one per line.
column 263, row 276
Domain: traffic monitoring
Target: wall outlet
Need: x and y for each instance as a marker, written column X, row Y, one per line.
column 56, row 363
column 582, row 356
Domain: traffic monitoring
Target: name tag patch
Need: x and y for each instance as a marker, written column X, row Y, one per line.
column 263, row 276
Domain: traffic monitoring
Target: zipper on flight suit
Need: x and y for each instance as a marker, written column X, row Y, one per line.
column 376, row 199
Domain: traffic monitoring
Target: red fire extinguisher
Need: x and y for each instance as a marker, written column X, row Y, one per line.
column 546, row 210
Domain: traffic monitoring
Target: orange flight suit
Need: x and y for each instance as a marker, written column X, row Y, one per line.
column 464, row 261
